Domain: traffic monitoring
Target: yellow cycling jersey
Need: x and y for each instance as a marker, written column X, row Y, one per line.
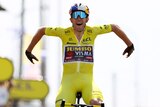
column 78, row 55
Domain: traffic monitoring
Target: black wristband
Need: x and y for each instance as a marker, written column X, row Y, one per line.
column 132, row 46
column 27, row 52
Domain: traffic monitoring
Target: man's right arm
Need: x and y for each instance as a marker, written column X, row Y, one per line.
column 34, row 41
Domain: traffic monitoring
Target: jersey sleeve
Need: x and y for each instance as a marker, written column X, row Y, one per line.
column 102, row 29
column 51, row 31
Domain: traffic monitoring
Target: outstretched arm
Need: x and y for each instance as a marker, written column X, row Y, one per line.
column 34, row 41
column 120, row 33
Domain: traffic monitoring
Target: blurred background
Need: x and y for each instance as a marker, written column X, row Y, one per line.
column 125, row 82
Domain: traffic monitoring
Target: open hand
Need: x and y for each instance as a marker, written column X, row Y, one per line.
column 129, row 50
column 30, row 56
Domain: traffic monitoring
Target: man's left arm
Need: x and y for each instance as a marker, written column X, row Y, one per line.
column 120, row 33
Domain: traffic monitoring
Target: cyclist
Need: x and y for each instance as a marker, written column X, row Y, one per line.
column 78, row 45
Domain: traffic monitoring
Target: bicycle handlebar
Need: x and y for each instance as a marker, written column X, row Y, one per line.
column 63, row 104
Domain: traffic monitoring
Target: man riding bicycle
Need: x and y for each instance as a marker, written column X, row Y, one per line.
column 78, row 57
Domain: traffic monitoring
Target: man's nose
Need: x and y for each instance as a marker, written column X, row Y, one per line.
column 79, row 17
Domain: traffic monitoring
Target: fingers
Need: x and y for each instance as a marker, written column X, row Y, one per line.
column 30, row 56
column 31, row 61
column 33, row 57
column 124, row 52
column 126, row 55
column 128, row 52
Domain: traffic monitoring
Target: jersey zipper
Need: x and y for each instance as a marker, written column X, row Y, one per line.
column 78, row 63
column 79, row 44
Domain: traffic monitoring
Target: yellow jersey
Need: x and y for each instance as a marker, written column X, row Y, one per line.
column 78, row 55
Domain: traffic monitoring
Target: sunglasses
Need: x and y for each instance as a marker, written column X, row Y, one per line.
column 81, row 14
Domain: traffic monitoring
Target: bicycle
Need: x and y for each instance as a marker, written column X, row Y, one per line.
column 78, row 97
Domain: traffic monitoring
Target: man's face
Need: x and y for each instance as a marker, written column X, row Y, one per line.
column 79, row 21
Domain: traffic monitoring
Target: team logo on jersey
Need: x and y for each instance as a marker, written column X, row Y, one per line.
column 67, row 31
column 78, row 53
column 70, row 41
column 86, row 40
column 89, row 31
column 104, row 27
